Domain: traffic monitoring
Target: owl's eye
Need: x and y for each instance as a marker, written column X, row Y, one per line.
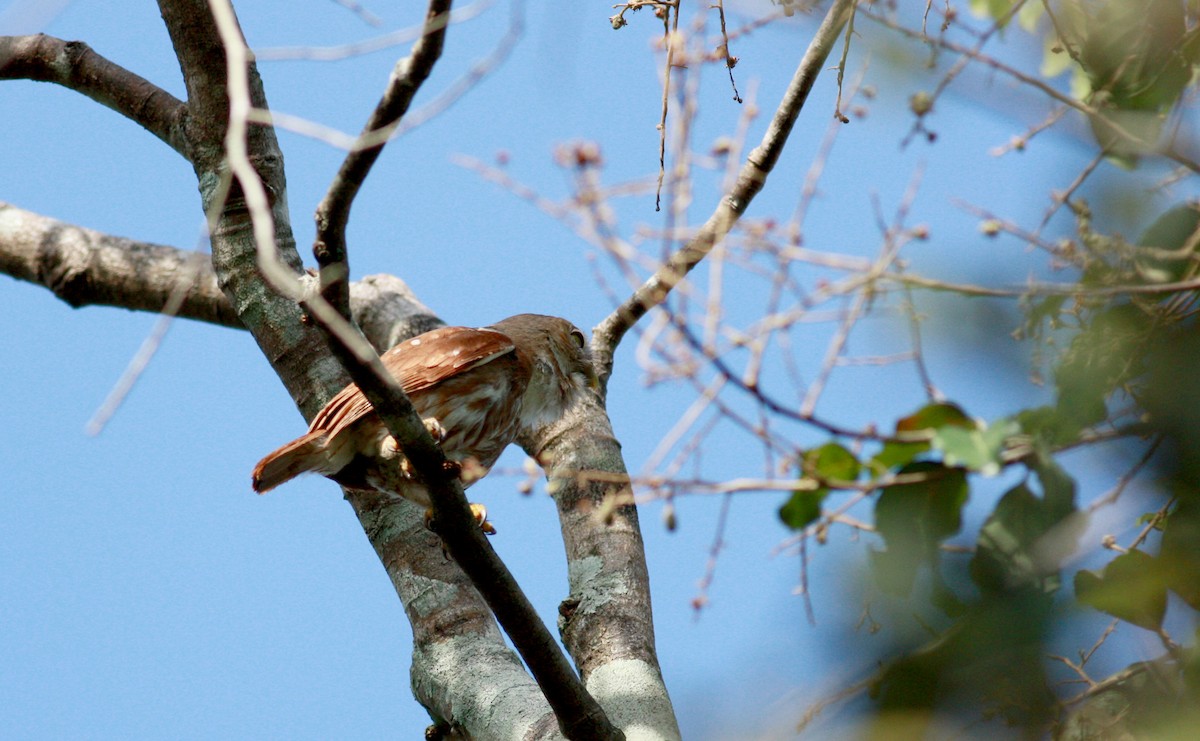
column 578, row 338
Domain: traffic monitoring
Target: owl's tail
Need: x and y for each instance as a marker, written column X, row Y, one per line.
column 304, row 454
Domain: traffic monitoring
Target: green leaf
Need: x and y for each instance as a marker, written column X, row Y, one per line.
column 1179, row 555
column 915, row 518
column 1132, row 54
column 1129, row 589
column 933, row 416
column 1058, row 488
column 1055, row 59
column 895, row 455
column 992, row 657
column 1029, row 15
column 1100, row 361
column 927, row 419
column 1047, row 425
column 975, row 449
column 1162, row 258
column 995, row 9
column 1173, row 229
column 1016, row 548
column 1131, row 51
column 802, row 508
column 831, row 461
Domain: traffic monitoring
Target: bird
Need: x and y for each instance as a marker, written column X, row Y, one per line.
column 475, row 389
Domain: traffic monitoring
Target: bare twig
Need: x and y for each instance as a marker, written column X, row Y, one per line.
column 671, row 38
column 369, row 46
column 366, row 16
column 700, row 601
column 750, row 181
column 334, row 210
column 730, row 60
column 141, row 359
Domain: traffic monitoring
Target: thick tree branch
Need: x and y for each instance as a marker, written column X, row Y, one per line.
column 751, row 179
column 300, row 355
column 333, row 212
column 74, row 65
column 606, row 622
column 579, row 715
column 84, row 267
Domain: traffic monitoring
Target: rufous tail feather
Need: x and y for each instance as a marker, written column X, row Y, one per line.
column 301, row 455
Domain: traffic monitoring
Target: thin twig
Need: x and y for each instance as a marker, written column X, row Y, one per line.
column 359, row 48
column 670, row 38
column 730, row 60
column 751, row 179
column 139, row 362
column 333, row 212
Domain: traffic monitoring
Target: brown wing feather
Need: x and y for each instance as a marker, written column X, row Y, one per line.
column 418, row 364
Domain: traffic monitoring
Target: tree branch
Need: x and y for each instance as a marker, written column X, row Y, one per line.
column 333, row 212
column 750, row 181
column 579, row 715
column 74, row 65
column 606, row 622
column 223, row 84
column 84, row 267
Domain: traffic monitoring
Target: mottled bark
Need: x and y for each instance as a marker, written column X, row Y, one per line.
column 606, row 622
column 84, row 267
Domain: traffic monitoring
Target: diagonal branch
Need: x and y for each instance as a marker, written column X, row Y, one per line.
column 74, row 65
column 750, row 181
column 334, row 210
column 579, row 715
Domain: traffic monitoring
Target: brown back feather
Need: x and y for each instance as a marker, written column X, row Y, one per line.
column 444, row 353
column 418, row 364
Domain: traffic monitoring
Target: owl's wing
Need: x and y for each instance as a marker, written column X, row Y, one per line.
column 418, row 364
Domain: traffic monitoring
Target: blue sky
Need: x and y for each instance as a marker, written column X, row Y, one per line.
column 146, row 592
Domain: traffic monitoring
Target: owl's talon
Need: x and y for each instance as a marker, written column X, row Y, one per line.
column 388, row 447
column 435, row 429
column 477, row 510
column 480, row 513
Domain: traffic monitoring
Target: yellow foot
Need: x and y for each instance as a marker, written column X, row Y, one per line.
column 478, row 510
column 480, row 513
column 435, row 429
